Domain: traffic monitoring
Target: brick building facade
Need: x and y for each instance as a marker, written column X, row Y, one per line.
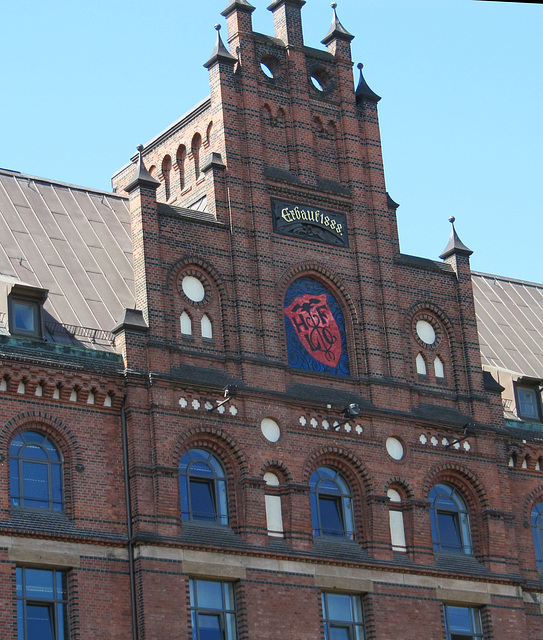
column 278, row 424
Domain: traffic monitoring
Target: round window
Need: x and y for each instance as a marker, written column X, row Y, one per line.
column 266, row 70
column 270, row 429
column 193, row 288
column 394, row 448
column 426, row 332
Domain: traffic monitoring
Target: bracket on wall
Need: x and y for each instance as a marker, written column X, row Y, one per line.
column 230, row 391
column 468, row 431
column 350, row 412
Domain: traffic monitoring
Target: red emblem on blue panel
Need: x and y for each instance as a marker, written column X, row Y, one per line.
column 316, row 327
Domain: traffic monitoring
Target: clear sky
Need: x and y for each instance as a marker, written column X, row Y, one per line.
column 85, row 81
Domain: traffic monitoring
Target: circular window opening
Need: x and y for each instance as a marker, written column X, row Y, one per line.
column 193, row 288
column 270, row 429
column 426, row 332
column 316, row 83
column 266, row 70
column 269, row 66
column 320, row 80
column 394, row 448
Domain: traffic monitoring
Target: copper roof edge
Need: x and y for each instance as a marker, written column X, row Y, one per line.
column 25, row 176
column 507, row 279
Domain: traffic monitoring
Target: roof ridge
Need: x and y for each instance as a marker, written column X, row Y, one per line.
column 27, row 176
column 507, row 279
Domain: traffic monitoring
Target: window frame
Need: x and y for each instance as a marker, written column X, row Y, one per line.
column 214, row 479
column 534, row 391
column 475, row 633
column 354, row 626
column 342, row 498
column 226, row 612
column 57, row 604
column 460, row 517
column 18, row 475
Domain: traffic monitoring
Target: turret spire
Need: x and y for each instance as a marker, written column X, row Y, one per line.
column 337, row 30
column 142, row 177
column 455, row 244
column 220, row 52
column 363, row 92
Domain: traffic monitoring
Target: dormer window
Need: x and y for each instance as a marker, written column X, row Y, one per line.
column 24, row 307
column 528, row 402
column 24, row 317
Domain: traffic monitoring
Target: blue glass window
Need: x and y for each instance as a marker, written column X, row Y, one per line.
column 202, row 487
column 41, row 604
column 537, row 532
column 331, row 504
column 212, row 610
column 343, row 618
column 462, row 623
column 35, row 470
column 450, row 520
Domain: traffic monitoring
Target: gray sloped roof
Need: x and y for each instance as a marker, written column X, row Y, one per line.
column 73, row 241
column 510, row 323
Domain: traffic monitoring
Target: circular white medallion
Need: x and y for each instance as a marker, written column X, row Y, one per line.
column 193, row 289
column 270, row 429
column 394, row 448
column 426, row 332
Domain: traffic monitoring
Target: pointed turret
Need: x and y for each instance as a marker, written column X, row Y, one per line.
column 142, row 177
column 455, row 246
column 338, row 39
column 220, row 52
column 363, row 92
column 337, row 31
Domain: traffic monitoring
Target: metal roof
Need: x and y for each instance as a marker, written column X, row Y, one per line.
column 73, row 241
column 510, row 323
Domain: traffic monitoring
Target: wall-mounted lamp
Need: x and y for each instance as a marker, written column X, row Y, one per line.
column 230, row 391
column 350, row 412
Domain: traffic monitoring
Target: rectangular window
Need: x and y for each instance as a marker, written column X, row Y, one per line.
column 24, row 317
column 41, row 604
column 212, row 610
column 528, row 400
column 462, row 623
column 343, row 618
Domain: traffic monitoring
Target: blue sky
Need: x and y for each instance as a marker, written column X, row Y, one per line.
column 85, row 81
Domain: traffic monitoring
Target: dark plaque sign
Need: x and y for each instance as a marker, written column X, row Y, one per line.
column 309, row 223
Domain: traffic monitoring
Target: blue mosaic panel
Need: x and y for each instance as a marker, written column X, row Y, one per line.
column 315, row 329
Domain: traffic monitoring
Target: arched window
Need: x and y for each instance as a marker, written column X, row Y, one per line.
column 166, row 169
column 450, row 520
column 202, row 485
column 421, row 365
column 331, row 504
column 206, row 326
column 537, row 532
column 181, row 156
column 195, row 148
column 439, row 370
column 274, row 515
column 186, row 324
column 35, row 470
column 397, row 530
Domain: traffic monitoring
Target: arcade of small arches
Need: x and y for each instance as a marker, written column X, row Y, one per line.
column 338, row 494
column 178, row 172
